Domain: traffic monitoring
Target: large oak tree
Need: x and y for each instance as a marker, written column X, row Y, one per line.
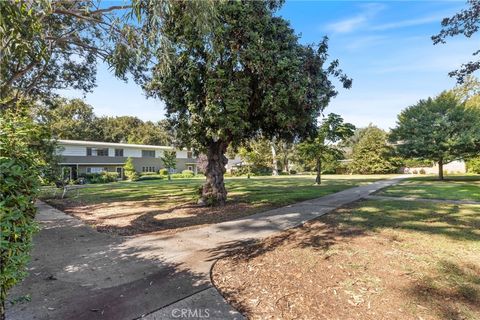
column 244, row 75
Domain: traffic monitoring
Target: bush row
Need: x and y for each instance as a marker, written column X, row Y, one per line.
column 103, row 177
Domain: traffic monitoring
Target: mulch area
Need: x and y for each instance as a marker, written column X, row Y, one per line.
column 327, row 270
column 127, row 218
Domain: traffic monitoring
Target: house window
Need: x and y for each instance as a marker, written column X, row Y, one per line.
column 190, row 168
column 148, row 169
column 95, row 170
column 148, row 153
column 97, row 152
column 189, row 154
column 118, row 152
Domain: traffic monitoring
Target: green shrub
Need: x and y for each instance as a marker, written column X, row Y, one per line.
column 187, row 172
column 163, row 172
column 473, row 165
column 129, row 170
column 103, row 177
column 415, row 171
column 293, row 171
column 415, row 163
column 148, row 174
column 422, row 171
column 181, row 176
column 154, row 176
column 20, row 165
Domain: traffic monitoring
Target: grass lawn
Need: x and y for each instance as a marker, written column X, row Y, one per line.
column 377, row 259
column 453, row 188
column 137, row 207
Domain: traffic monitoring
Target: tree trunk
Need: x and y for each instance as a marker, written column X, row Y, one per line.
column 440, row 169
column 274, row 160
column 318, row 179
column 213, row 191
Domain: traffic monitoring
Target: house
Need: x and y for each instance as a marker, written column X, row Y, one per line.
column 83, row 157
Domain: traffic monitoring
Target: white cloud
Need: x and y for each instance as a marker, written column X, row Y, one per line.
column 408, row 23
column 369, row 10
column 347, row 25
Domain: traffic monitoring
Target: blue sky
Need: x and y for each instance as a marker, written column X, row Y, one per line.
column 384, row 46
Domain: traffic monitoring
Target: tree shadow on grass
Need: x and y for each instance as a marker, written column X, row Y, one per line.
column 453, row 290
column 364, row 218
column 178, row 217
column 319, row 235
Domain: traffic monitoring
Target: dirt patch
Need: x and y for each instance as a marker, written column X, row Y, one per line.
column 329, row 269
column 136, row 217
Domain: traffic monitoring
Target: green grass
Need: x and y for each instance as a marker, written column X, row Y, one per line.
column 279, row 190
column 451, row 221
column 452, row 188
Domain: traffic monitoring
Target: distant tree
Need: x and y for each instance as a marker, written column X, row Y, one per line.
column 129, row 170
column 473, row 165
column 257, row 154
column 348, row 144
column 466, row 22
column 372, row 154
column 322, row 146
column 468, row 92
column 285, row 154
column 440, row 129
column 249, row 75
column 70, row 119
column 169, row 160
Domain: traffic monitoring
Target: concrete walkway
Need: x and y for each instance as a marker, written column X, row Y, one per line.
column 78, row 273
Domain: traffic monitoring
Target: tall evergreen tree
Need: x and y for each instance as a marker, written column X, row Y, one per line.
column 372, row 154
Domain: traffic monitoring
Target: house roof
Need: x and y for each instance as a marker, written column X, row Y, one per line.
column 112, row 144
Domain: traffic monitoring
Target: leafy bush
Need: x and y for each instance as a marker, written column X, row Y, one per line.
column 142, row 174
column 153, row 176
column 415, row 163
column 129, row 170
column 473, row 165
column 163, row 172
column 415, row 171
column 103, row 177
column 293, row 171
column 187, row 172
column 20, row 165
column 181, row 176
column 422, row 171
column 254, row 171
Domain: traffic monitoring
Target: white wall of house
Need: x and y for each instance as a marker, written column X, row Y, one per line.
column 67, row 150
column 132, row 152
column 78, row 149
column 181, row 154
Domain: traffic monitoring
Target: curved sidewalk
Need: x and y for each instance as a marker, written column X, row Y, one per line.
column 78, row 273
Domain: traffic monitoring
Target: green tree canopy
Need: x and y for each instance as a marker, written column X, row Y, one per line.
column 440, row 129
column 322, row 146
column 249, row 75
column 372, row 154
column 169, row 160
